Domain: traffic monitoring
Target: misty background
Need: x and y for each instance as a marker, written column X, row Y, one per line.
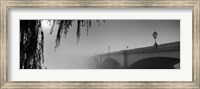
column 118, row 34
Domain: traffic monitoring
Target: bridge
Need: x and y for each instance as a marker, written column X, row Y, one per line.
column 163, row 54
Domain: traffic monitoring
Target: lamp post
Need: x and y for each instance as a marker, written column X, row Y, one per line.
column 108, row 51
column 127, row 47
column 155, row 34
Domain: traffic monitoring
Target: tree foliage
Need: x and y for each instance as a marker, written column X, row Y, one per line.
column 32, row 39
column 31, row 44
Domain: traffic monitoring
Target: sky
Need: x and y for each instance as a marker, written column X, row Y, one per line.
column 118, row 34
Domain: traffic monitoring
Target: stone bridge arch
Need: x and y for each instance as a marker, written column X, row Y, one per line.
column 155, row 63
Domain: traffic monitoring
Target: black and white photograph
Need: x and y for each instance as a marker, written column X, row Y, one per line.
column 99, row 44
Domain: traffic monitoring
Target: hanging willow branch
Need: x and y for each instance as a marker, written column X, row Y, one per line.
column 64, row 25
column 78, row 32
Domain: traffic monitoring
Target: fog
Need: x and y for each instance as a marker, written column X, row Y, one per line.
column 118, row 34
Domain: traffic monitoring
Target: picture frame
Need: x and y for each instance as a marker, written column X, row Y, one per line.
column 4, row 57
